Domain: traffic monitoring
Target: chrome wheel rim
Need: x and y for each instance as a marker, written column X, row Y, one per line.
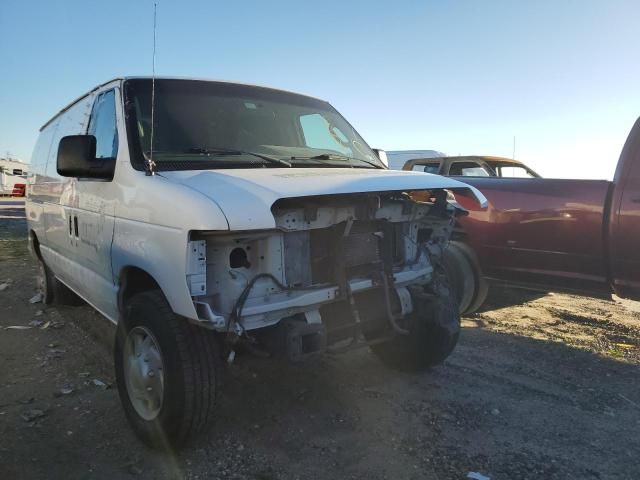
column 143, row 372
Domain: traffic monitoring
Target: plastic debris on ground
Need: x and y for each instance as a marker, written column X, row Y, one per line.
column 100, row 383
column 477, row 476
column 37, row 298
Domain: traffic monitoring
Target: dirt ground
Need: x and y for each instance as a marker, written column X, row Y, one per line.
column 541, row 386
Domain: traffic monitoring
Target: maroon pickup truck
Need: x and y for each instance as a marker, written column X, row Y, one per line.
column 579, row 236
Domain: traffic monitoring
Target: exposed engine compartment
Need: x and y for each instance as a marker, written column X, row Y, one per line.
column 342, row 263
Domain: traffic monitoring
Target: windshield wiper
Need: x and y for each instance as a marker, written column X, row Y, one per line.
column 333, row 156
column 232, row 151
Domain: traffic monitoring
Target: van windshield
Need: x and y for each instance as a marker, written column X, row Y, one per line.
column 203, row 124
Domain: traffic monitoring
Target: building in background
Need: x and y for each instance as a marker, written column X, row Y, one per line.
column 13, row 176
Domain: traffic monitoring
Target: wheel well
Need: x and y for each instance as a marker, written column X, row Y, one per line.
column 34, row 244
column 134, row 280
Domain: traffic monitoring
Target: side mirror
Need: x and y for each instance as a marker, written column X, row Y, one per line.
column 77, row 158
column 382, row 155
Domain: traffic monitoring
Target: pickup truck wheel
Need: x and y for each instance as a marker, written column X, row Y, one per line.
column 461, row 275
column 53, row 291
column 481, row 285
column 482, row 292
column 434, row 328
column 168, row 372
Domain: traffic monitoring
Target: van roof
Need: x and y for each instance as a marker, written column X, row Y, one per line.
column 137, row 77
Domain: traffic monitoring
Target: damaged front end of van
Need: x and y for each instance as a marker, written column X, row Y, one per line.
column 330, row 272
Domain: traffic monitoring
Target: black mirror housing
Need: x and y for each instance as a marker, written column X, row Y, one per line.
column 77, row 158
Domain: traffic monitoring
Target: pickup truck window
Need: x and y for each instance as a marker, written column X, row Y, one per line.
column 204, row 125
column 513, row 172
column 428, row 168
column 103, row 125
column 468, row 169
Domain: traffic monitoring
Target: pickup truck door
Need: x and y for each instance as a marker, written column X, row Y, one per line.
column 624, row 227
column 542, row 232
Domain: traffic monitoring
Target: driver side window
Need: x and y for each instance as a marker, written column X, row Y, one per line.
column 319, row 133
column 103, row 125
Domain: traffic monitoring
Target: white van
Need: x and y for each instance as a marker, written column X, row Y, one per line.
column 200, row 216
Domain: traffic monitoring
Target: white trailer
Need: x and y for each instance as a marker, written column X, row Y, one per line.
column 12, row 172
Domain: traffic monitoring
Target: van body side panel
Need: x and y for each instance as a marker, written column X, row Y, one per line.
column 160, row 251
column 104, row 300
column 92, row 208
column 78, row 219
column 153, row 219
column 36, row 180
column 60, row 195
column 624, row 226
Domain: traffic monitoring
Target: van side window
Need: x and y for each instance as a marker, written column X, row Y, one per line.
column 103, row 125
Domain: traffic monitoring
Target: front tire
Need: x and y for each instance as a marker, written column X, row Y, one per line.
column 168, row 372
column 434, row 328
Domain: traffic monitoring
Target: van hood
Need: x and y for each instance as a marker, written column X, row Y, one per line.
column 245, row 196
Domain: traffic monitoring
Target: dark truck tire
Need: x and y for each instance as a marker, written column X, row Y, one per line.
column 53, row 291
column 168, row 372
column 463, row 268
column 461, row 275
column 434, row 328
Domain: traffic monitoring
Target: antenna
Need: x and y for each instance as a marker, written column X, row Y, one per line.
column 513, row 155
column 151, row 165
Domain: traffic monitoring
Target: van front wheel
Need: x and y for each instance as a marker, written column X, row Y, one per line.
column 434, row 328
column 168, row 372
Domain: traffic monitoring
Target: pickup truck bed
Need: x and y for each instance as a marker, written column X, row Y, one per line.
column 564, row 235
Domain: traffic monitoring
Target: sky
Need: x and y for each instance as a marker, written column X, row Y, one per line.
column 460, row 77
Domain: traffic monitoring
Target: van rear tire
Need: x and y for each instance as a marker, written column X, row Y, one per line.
column 53, row 291
column 168, row 372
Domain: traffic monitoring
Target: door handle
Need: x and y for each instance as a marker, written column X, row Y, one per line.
column 636, row 200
